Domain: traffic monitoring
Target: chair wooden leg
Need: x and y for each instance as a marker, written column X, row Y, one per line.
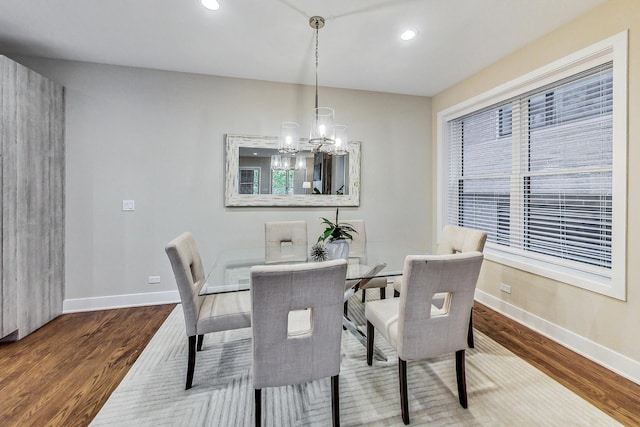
column 364, row 295
column 369, row 343
column 470, row 341
column 396, row 294
column 257, row 408
column 404, row 398
column 191, row 361
column 200, row 340
column 335, row 400
column 462, row 379
column 383, row 293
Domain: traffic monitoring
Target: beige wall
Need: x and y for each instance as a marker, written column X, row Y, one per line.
column 157, row 137
column 601, row 320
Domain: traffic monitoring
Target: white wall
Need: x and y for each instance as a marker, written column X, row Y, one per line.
column 158, row 138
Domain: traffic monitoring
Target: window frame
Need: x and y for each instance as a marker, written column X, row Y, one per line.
column 256, row 170
column 613, row 49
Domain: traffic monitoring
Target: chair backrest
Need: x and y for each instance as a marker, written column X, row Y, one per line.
column 423, row 330
column 281, row 293
column 358, row 245
column 461, row 239
column 189, row 272
column 285, row 241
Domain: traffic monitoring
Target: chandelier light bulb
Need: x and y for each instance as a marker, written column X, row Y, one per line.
column 322, row 127
column 211, row 4
column 342, row 141
column 301, row 162
column 289, row 141
column 408, row 34
column 275, row 162
column 285, row 163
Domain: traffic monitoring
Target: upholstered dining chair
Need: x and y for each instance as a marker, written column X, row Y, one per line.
column 454, row 239
column 203, row 314
column 285, row 241
column 418, row 333
column 358, row 253
column 297, row 319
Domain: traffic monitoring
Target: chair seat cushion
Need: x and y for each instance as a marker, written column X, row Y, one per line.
column 397, row 284
column 383, row 315
column 376, row 282
column 221, row 312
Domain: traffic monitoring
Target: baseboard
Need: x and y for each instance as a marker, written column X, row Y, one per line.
column 120, row 301
column 618, row 363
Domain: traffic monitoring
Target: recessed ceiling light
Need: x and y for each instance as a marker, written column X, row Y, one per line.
column 408, row 34
column 211, row 4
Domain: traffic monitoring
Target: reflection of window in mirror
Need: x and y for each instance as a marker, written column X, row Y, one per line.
column 249, row 181
column 282, row 181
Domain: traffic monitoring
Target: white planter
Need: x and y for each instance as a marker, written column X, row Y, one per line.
column 337, row 249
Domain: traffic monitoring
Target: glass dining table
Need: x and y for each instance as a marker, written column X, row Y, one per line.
column 230, row 272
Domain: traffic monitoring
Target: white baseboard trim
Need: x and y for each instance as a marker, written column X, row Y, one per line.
column 618, row 363
column 120, row 301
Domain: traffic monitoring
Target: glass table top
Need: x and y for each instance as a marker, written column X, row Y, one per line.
column 230, row 270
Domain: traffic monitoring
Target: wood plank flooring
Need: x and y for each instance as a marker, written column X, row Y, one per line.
column 613, row 394
column 62, row 374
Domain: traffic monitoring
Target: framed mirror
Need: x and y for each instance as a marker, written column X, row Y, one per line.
column 256, row 174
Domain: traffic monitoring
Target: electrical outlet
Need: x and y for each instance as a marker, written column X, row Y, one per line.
column 154, row 279
column 505, row 288
column 128, row 205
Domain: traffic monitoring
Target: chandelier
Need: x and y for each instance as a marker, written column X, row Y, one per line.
column 325, row 135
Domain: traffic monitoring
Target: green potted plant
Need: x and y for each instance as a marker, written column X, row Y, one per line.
column 337, row 236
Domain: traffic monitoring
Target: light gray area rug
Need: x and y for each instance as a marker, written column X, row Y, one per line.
column 503, row 390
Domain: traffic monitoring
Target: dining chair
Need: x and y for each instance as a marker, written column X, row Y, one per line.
column 285, row 241
column 297, row 318
column 358, row 253
column 203, row 314
column 416, row 333
column 454, row 239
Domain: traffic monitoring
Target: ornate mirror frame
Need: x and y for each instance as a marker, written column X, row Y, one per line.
column 232, row 166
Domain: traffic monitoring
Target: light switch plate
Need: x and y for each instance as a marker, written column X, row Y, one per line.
column 128, row 205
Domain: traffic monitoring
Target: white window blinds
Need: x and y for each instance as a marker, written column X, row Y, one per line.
column 535, row 171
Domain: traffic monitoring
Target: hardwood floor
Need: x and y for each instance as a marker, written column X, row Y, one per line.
column 613, row 394
column 62, row 374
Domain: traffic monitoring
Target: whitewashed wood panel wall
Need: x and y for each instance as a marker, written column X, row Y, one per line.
column 33, row 186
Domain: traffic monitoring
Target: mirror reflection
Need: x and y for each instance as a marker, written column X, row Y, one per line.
column 266, row 171
column 259, row 175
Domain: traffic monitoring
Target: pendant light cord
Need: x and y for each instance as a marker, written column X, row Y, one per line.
column 317, row 64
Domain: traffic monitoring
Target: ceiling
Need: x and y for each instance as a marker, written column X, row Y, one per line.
column 359, row 47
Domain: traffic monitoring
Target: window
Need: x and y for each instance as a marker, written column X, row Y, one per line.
column 282, row 181
column 533, row 166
